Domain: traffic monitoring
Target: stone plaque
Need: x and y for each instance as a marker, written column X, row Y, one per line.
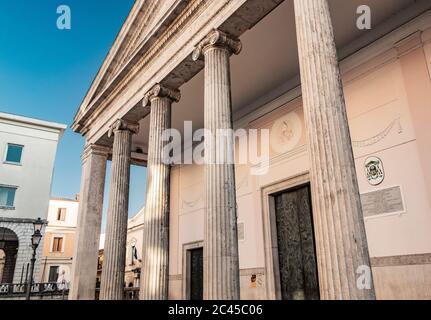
column 383, row 201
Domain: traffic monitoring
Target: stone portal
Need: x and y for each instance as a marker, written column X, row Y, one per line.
column 296, row 248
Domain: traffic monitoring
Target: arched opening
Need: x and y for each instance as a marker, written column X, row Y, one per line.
column 8, row 253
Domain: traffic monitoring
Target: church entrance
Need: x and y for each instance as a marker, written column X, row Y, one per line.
column 196, row 274
column 296, row 245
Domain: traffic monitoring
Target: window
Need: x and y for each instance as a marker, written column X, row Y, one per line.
column 7, row 196
column 57, row 244
column 14, row 153
column 61, row 214
column 53, row 274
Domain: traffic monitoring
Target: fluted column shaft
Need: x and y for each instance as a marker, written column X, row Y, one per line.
column 155, row 270
column 112, row 282
column 221, row 261
column 339, row 225
column 86, row 247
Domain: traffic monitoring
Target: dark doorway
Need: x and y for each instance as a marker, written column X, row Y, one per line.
column 53, row 274
column 296, row 247
column 196, row 274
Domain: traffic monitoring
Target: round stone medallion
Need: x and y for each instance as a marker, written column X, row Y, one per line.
column 286, row 133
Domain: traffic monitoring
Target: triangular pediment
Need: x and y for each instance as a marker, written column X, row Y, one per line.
column 132, row 33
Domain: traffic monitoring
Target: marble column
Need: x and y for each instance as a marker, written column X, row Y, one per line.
column 221, row 263
column 155, row 271
column 86, row 249
column 339, row 225
column 112, row 282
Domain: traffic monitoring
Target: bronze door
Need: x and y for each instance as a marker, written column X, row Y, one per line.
column 296, row 248
column 196, row 274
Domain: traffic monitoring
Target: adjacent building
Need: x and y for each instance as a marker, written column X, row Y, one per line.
column 27, row 155
column 135, row 234
column 133, row 262
column 57, row 255
column 340, row 208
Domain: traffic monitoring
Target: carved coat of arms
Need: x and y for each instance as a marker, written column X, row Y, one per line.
column 374, row 171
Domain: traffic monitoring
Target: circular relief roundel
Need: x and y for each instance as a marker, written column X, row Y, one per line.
column 286, row 133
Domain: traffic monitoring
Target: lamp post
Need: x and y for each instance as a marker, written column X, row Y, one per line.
column 35, row 240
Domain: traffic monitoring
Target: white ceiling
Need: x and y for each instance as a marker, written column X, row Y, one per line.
column 269, row 58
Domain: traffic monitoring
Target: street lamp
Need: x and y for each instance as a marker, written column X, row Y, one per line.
column 35, row 240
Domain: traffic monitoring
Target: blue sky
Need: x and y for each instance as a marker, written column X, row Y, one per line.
column 45, row 73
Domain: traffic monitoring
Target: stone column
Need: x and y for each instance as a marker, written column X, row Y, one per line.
column 339, row 225
column 221, row 263
column 155, row 258
column 87, row 235
column 112, row 282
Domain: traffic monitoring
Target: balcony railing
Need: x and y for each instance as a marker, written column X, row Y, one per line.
column 37, row 289
column 52, row 290
column 131, row 293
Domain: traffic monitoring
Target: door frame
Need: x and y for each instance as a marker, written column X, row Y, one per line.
column 187, row 248
column 268, row 193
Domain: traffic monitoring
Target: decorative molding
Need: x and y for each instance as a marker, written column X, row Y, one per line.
column 217, row 38
column 160, row 91
column 380, row 136
column 193, row 203
column 95, row 149
column 224, row 14
column 281, row 158
column 20, row 220
column 123, row 125
column 144, row 17
column 408, row 44
column 90, row 111
column 175, row 277
column 403, row 260
column 251, row 271
column 147, row 50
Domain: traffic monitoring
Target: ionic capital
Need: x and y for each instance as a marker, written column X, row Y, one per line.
column 160, row 91
column 217, row 38
column 123, row 125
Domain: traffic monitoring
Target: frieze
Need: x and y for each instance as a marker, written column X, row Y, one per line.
column 197, row 10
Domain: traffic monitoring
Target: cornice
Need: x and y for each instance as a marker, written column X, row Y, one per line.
column 139, row 28
column 110, row 57
column 150, row 46
column 94, row 149
column 171, row 67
